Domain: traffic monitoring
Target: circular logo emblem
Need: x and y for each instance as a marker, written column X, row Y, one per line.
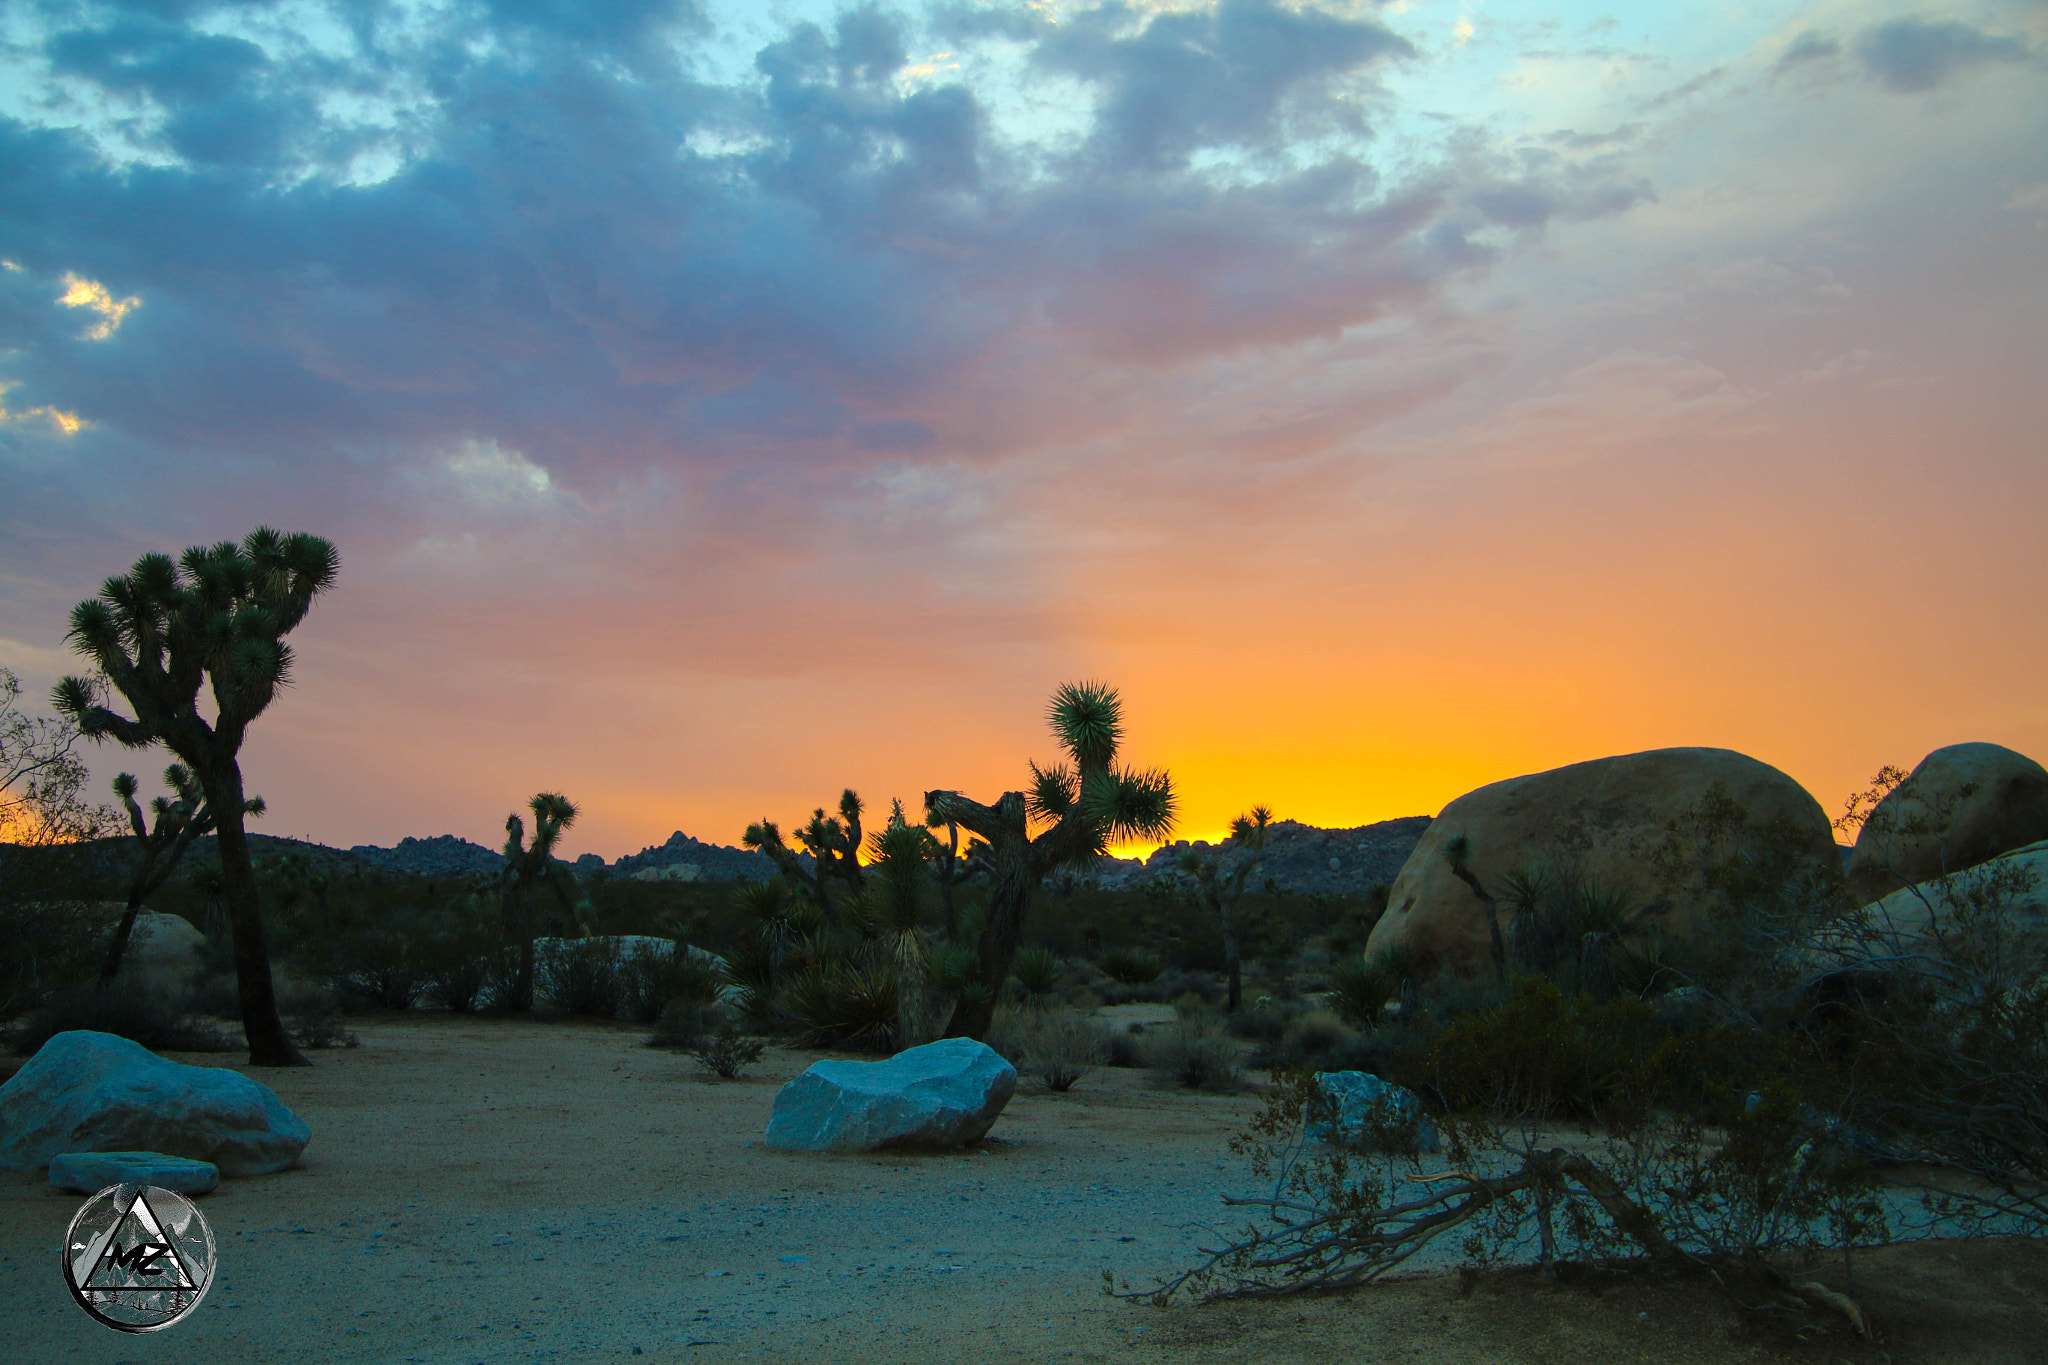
column 138, row 1257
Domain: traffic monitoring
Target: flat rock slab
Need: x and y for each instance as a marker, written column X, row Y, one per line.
column 943, row 1094
column 94, row 1092
column 91, row 1172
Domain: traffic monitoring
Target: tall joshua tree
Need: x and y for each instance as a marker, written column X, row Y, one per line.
column 162, row 844
column 215, row 618
column 1081, row 804
column 527, row 867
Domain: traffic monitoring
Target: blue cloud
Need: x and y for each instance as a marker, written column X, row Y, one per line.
column 1911, row 55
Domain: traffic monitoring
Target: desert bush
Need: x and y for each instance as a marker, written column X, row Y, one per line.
column 1128, row 967
column 313, row 1018
column 1038, row 971
column 954, row 969
column 1125, row 1047
column 581, row 976
column 156, row 1019
column 651, row 979
column 52, row 946
column 727, row 1052
column 1314, row 1040
column 1199, row 1053
column 1264, row 1023
column 1060, row 1047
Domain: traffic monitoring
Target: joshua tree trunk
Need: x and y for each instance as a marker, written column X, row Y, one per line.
column 1233, row 965
column 268, row 1043
column 1012, row 887
column 111, row 966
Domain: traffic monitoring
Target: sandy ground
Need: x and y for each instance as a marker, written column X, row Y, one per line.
column 490, row 1190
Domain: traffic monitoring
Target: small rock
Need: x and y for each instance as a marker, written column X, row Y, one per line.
column 91, row 1172
column 943, row 1094
column 1363, row 1102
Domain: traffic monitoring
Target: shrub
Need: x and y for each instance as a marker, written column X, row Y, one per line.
column 652, row 978
column 1196, row 1054
column 155, row 1019
column 1361, row 986
column 1317, row 1040
column 581, row 976
column 1128, row 967
column 954, row 969
column 1126, row 1046
column 728, row 1052
column 1545, row 1056
column 1061, row 1047
column 1038, row 971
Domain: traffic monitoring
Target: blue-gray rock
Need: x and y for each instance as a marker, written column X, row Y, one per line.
column 940, row 1095
column 1363, row 1102
column 91, row 1172
column 94, row 1092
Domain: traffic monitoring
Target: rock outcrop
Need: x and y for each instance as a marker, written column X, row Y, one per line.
column 1961, row 806
column 940, row 1095
column 94, row 1092
column 163, row 953
column 1991, row 919
column 1646, row 826
column 1300, row 859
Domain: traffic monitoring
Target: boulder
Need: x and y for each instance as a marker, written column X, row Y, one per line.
column 91, row 1172
column 1645, row 827
column 1992, row 918
column 163, row 952
column 1963, row 805
column 94, row 1092
column 940, row 1095
column 1364, row 1104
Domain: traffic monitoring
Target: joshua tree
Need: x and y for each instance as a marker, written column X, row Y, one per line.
column 1083, row 804
column 1221, row 890
column 834, row 845
column 163, row 845
column 947, row 859
column 527, row 866
column 215, row 617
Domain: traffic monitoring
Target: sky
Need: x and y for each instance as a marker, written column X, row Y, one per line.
column 718, row 405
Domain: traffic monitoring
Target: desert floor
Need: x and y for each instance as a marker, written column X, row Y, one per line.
column 493, row 1190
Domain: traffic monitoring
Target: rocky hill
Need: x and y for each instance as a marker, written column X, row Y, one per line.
column 1300, row 859
column 444, row 855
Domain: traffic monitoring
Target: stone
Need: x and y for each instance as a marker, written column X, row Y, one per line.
column 94, row 1092
column 91, row 1172
column 1961, row 806
column 163, row 951
column 1916, row 927
column 1607, row 821
column 943, row 1094
column 1362, row 1099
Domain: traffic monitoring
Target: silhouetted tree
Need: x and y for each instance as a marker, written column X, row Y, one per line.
column 216, row 618
column 1221, row 878
column 528, row 866
column 1084, row 804
column 834, row 845
column 162, row 845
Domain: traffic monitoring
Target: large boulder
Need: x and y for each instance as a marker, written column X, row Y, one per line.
column 1991, row 919
column 940, row 1095
column 1963, row 805
column 94, row 1092
column 1649, row 827
column 163, row 952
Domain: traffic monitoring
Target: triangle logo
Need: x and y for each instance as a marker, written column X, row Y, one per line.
column 134, row 1255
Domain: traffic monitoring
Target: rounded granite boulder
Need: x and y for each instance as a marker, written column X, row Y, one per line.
column 943, row 1094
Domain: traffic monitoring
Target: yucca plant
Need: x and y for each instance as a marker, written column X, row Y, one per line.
column 162, row 845
column 1361, row 986
column 844, row 1004
column 216, row 618
column 1082, row 805
column 1038, row 972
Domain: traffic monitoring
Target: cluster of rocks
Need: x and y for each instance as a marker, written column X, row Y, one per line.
column 444, row 855
column 1299, row 859
column 675, row 859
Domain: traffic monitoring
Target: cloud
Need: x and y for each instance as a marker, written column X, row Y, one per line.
column 1911, row 55
column 1810, row 46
